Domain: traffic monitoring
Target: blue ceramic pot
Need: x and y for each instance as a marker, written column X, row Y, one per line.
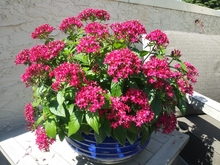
column 108, row 152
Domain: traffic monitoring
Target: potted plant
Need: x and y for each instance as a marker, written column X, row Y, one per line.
column 97, row 81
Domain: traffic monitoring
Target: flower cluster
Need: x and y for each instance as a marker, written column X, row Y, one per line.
column 96, row 80
column 42, row 140
column 42, row 31
column 130, row 31
column 158, row 37
column 122, row 63
column 93, row 14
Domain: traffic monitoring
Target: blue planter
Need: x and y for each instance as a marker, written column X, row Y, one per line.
column 108, row 152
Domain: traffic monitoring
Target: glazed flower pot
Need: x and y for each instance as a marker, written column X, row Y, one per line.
column 107, row 152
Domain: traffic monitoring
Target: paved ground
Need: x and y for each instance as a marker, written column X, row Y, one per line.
column 204, row 144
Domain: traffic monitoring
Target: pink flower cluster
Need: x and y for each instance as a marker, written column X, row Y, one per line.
column 158, row 37
column 23, row 57
column 176, row 54
column 69, row 24
column 90, row 98
column 186, row 81
column 122, row 112
column 167, row 122
column 29, row 115
column 35, row 73
column 157, row 71
column 67, row 72
column 122, row 63
column 42, row 31
column 88, row 44
column 129, row 31
column 37, row 53
column 97, row 29
column 54, row 47
column 93, row 14
column 42, row 140
column 40, row 53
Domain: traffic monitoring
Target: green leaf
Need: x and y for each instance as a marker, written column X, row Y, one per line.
column 77, row 136
column 60, row 98
column 116, row 89
column 182, row 106
column 133, row 129
column 85, row 128
column 80, row 57
column 183, row 66
column 107, row 127
column 132, row 84
column 62, row 135
column 75, row 122
column 145, row 134
column 93, row 120
column 70, row 108
column 100, row 137
column 143, row 53
column 120, row 134
column 50, row 127
column 131, row 137
column 156, row 106
column 118, row 45
column 57, row 109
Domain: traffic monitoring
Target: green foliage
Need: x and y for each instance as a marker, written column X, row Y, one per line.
column 213, row 4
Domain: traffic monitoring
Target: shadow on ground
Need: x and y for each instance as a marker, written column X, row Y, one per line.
column 203, row 132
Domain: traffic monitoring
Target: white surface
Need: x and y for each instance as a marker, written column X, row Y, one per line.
column 22, row 150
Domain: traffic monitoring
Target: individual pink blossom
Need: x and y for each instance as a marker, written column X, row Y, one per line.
column 94, row 14
column 35, row 73
column 90, row 98
column 130, row 31
column 69, row 24
column 42, row 140
column 23, row 57
column 167, row 122
column 122, row 63
column 97, row 29
column 88, row 44
column 67, row 72
column 158, row 37
column 42, row 31
column 54, row 47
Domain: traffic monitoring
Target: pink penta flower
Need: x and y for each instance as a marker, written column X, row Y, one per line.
column 35, row 73
column 90, row 97
column 122, row 63
column 42, row 140
column 167, row 122
column 54, row 47
column 158, row 37
column 185, row 80
column 94, row 14
column 88, row 44
column 38, row 53
column 176, row 54
column 69, row 24
column 133, row 107
column 42, row 31
column 67, row 72
column 23, row 57
column 130, row 31
column 29, row 113
column 97, row 29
